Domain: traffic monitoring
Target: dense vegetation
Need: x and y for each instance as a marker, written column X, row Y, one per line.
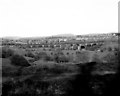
column 18, row 60
column 6, row 52
column 99, row 77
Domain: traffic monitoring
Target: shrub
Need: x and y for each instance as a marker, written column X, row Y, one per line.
column 7, row 52
column 18, row 60
column 30, row 54
column 60, row 57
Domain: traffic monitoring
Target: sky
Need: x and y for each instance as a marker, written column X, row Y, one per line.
column 30, row 18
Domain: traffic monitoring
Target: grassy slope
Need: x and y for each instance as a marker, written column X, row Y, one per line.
column 49, row 71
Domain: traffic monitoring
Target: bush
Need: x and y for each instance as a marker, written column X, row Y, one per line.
column 7, row 52
column 18, row 60
column 60, row 57
column 30, row 54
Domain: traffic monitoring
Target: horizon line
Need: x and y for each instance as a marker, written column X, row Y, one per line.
column 56, row 35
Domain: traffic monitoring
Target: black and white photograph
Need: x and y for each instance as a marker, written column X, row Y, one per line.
column 59, row 48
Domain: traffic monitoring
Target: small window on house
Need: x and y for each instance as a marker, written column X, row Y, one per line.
column 82, row 47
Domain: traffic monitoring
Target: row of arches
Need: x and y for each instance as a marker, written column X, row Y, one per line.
column 65, row 46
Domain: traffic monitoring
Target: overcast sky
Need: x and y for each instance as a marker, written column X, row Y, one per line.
column 26, row 18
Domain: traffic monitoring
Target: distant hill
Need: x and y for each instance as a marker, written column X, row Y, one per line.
column 58, row 35
column 64, row 35
column 11, row 37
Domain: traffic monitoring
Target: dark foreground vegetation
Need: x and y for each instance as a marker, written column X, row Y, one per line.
column 94, row 78
column 82, row 80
